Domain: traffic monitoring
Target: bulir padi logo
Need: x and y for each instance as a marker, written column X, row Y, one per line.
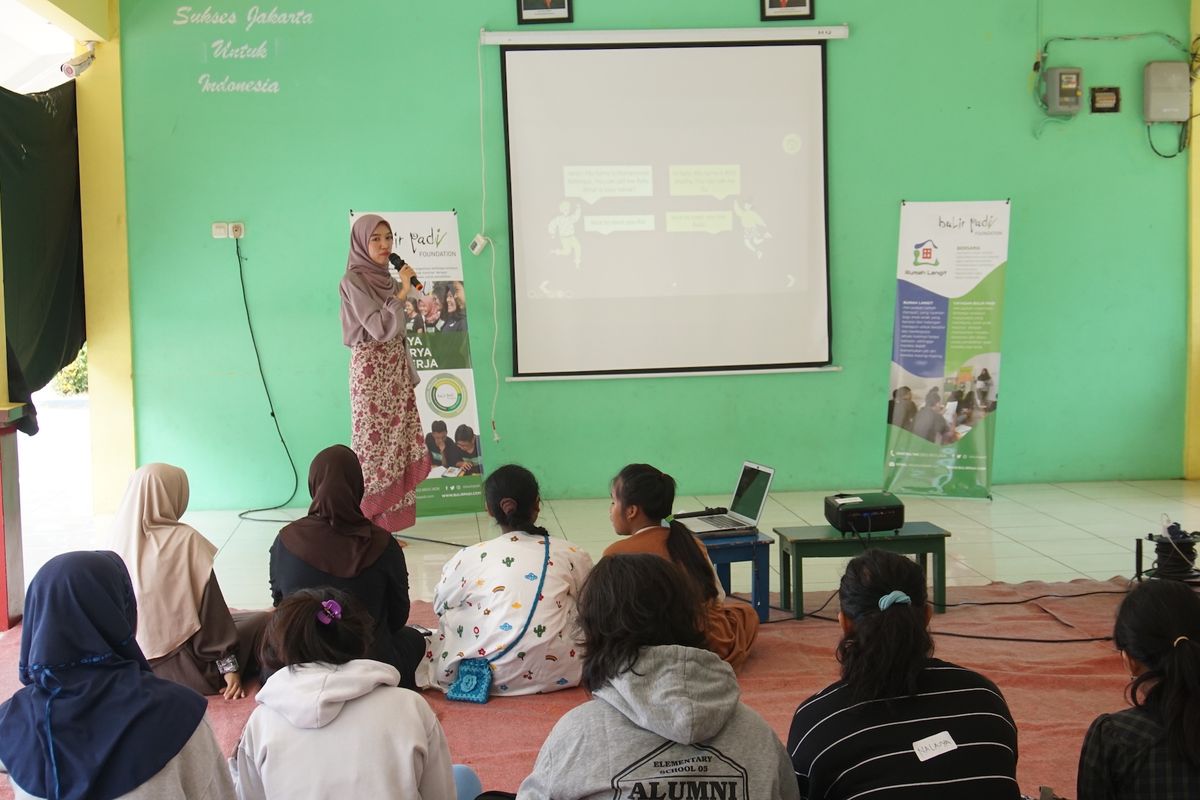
column 925, row 254
column 433, row 242
column 446, row 395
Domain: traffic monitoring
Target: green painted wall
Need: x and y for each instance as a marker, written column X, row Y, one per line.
column 377, row 109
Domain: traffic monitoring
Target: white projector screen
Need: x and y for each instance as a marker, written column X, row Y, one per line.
column 667, row 208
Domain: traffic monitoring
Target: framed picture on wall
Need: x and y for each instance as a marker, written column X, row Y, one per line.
column 529, row 11
column 786, row 9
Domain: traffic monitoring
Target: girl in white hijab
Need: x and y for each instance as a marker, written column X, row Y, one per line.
column 185, row 629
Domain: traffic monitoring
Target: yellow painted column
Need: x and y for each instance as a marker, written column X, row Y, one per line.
column 1191, row 446
column 106, row 271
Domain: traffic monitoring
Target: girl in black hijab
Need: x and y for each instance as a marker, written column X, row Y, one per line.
column 335, row 545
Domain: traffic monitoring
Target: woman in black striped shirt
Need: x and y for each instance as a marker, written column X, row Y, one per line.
column 1151, row 751
column 900, row 725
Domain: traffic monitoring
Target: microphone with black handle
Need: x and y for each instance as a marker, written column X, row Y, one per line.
column 399, row 263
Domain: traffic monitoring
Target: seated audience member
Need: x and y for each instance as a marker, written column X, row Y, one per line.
column 984, row 386
column 1152, row 750
column 441, row 449
column 642, row 496
column 969, row 412
column 489, row 590
column 330, row 721
column 470, row 453
column 901, row 409
column 93, row 722
column 185, row 629
column 335, row 545
column 664, row 719
column 930, row 423
column 950, row 407
column 900, row 723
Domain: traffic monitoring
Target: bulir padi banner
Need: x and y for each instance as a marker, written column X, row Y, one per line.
column 436, row 328
column 945, row 383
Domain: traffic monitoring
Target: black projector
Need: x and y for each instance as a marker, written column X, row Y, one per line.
column 866, row 512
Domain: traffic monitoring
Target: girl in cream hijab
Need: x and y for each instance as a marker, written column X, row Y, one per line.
column 185, row 629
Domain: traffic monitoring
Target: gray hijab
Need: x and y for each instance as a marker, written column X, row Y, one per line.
column 359, row 261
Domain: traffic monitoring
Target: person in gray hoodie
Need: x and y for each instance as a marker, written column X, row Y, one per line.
column 332, row 724
column 665, row 720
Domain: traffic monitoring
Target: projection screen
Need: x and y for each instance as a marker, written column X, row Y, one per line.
column 667, row 208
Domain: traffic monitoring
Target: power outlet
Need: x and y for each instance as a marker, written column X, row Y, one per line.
column 236, row 230
column 220, row 230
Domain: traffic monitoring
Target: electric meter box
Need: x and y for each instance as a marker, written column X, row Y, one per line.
column 1064, row 91
column 1168, row 96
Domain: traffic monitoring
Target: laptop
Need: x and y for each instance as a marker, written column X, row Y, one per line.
column 745, row 508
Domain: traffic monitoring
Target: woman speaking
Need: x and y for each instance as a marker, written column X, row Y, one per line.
column 385, row 426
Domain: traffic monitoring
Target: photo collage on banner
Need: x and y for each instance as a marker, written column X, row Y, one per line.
column 436, row 328
column 945, row 383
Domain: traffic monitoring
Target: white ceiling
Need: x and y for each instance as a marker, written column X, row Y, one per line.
column 31, row 50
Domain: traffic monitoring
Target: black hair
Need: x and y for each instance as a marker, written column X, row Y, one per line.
column 884, row 655
column 296, row 635
column 629, row 602
column 686, row 553
column 513, row 482
column 653, row 491
column 438, row 426
column 648, row 488
column 464, row 433
column 1150, row 623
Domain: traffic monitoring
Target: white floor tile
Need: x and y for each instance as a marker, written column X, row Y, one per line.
column 1029, row 531
column 1065, row 549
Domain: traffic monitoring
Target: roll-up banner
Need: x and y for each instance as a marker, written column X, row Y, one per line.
column 436, row 327
column 945, row 382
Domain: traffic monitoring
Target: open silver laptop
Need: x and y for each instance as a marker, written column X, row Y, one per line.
column 745, row 508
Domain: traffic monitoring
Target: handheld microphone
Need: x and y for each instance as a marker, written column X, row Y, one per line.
column 400, row 263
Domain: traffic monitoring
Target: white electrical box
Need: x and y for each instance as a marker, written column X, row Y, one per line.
column 1168, row 95
column 1064, row 91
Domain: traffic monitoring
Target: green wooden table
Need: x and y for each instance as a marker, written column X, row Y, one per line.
column 922, row 539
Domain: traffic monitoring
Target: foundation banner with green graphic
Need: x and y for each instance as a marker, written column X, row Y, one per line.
column 945, row 384
column 436, row 326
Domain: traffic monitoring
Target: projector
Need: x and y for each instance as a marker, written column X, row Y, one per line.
column 866, row 512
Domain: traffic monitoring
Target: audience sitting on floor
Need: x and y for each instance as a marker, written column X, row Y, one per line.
column 524, row 583
column 185, row 630
column 900, row 723
column 331, row 722
column 93, row 722
column 335, row 545
column 664, row 719
column 642, row 497
column 1152, row 750
column 648, row 632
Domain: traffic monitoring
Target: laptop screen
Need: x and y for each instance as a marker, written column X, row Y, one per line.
column 751, row 492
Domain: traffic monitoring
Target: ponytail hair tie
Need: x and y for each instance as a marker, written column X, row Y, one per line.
column 508, row 506
column 891, row 598
column 1180, row 639
column 330, row 610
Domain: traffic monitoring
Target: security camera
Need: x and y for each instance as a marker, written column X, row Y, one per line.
column 77, row 65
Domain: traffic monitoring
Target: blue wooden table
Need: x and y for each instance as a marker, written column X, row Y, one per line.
column 754, row 547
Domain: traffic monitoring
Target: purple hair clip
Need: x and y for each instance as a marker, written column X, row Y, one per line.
column 330, row 610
